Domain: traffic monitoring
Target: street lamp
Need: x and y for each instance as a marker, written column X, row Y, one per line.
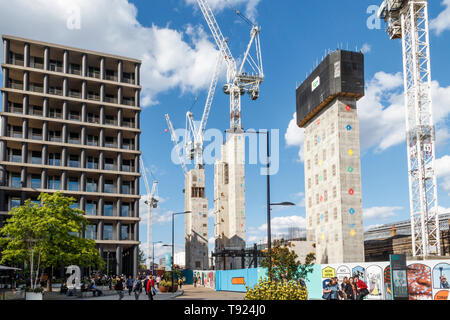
column 173, row 246
column 153, row 257
column 269, row 231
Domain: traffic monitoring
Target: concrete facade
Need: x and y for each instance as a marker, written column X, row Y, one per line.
column 333, row 183
column 70, row 123
column 196, row 233
column 229, row 200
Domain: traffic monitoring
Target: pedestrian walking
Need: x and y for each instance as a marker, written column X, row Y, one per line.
column 195, row 281
column 130, row 285
column 362, row 288
column 180, row 283
column 151, row 290
column 119, row 287
column 137, row 288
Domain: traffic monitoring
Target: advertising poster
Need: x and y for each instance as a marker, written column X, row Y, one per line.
column 419, row 282
column 374, row 282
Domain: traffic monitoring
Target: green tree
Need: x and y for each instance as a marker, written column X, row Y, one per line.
column 141, row 259
column 47, row 234
column 285, row 265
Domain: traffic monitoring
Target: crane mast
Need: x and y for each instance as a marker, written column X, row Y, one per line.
column 408, row 20
column 152, row 203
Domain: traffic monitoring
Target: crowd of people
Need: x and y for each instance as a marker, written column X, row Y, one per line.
column 352, row 288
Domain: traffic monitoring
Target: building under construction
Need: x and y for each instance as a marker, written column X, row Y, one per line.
column 229, row 201
column 326, row 108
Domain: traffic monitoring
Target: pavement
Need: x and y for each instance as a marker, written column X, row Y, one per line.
column 142, row 296
column 202, row 293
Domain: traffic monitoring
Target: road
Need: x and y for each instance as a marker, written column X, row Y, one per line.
column 201, row 293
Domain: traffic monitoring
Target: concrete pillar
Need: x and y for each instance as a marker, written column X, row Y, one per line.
column 119, row 184
column 136, row 164
column 120, row 71
column 64, row 180
column 44, row 179
column 137, row 119
column 118, row 227
column 136, row 186
column 102, row 92
column 5, row 77
column 64, row 157
column 26, row 103
column 45, row 105
column 83, row 158
column 23, row 176
column 5, row 101
column 83, row 135
column 120, row 95
column 119, row 161
column 65, row 111
column 84, row 90
column 6, row 51
column 102, row 115
column 46, row 58
column 135, row 260
column 102, row 68
column 26, row 81
column 101, row 184
column 137, row 74
column 26, row 55
column 83, row 182
column 101, row 203
column 84, row 65
column 25, row 128
column 119, row 260
column 64, row 133
column 101, row 138
column 83, row 203
column 84, row 112
column 137, row 100
column 45, row 155
column 119, row 117
column 136, row 141
column 46, row 82
column 45, row 131
column 101, row 161
column 119, row 139
column 65, row 87
column 66, row 61
column 136, row 209
column 100, row 230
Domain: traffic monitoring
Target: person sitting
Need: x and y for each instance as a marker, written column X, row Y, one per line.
column 95, row 291
column 63, row 289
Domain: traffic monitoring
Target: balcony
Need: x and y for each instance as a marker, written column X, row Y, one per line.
column 75, row 69
column 110, row 99
column 16, row 59
column 93, row 96
column 37, row 63
column 15, row 108
column 92, row 118
column 14, row 84
column 110, row 166
column 56, row 66
column 36, row 134
column 128, row 78
column 94, row 73
column 110, row 121
column 110, row 144
column 55, row 113
column 111, row 75
column 15, row 157
column 74, row 116
column 15, row 133
column 55, row 91
column 128, row 101
column 75, row 94
column 34, row 87
column 109, row 188
column 128, row 123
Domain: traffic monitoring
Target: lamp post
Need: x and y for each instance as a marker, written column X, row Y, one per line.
column 153, row 257
column 173, row 246
column 269, row 231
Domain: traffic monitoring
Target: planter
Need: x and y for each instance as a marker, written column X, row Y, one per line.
column 164, row 289
column 33, row 296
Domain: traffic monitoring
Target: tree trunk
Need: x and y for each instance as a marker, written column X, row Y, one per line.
column 49, row 279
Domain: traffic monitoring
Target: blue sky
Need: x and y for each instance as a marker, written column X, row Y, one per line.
column 174, row 42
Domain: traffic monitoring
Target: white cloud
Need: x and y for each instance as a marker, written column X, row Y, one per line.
column 366, row 48
column 282, row 224
column 211, row 213
column 373, row 226
column 380, row 212
column 442, row 21
column 443, row 172
column 295, row 136
column 219, row 5
column 171, row 58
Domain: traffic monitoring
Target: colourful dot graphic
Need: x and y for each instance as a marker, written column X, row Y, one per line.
column 351, row 211
column 321, row 198
column 323, row 237
column 320, row 162
column 351, row 192
column 350, row 169
column 319, row 139
column 318, row 122
column 352, row 232
column 348, row 108
column 349, row 128
column 350, row 152
column 320, row 178
column 321, row 216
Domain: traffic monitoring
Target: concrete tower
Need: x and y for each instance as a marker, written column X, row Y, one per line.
column 229, row 201
column 326, row 108
column 197, row 221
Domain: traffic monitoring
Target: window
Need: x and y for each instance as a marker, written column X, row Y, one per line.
column 109, row 164
column 35, row 181
column 109, row 186
column 92, row 163
column 74, row 206
column 325, row 195
column 36, row 111
column 54, row 136
column 335, row 213
column 127, row 144
column 324, row 175
column 108, row 232
column 91, row 208
column 93, row 118
column 91, row 185
column 332, row 150
column 127, row 165
column 36, row 157
column 336, row 237
column 316, row 179
column 73, row 184
column 14, row 202
column 93, row 96
column 108, row 209
column 317, row 198
column 75, row 69
column 36, row 134
column 92, row 141
column 16, row 155
column 54, row 183
column 334, row 170
column 315, row 140
column 309, row 202
column 16, row 181
column 55, row 113
column 334, row 192
column 326, row 216
column 308, row 164
column 125, row 210
column 110, row 120
column 56, row 66
column 309, row 183
column 94, row 72
column 74, row 115
column 310, row 221
column 308, row 145
column 16, row 132
column 74, row 161
column 74, row 138
column 124, row 232
column 91, row 232
column 126, row 187
column 324, row 155
column 54, row 159
column 111, row 75
column 110, row 142
column 128, row 122
column 318, row 218
column 332, row 128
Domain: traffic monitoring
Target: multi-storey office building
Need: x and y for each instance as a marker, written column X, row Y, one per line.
column 70, row 122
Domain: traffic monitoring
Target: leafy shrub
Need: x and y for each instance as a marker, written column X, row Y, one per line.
column 271, row 290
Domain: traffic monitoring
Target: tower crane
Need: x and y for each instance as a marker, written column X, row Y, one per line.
column 238, row 80
column 408, row 20
column 152, row 203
